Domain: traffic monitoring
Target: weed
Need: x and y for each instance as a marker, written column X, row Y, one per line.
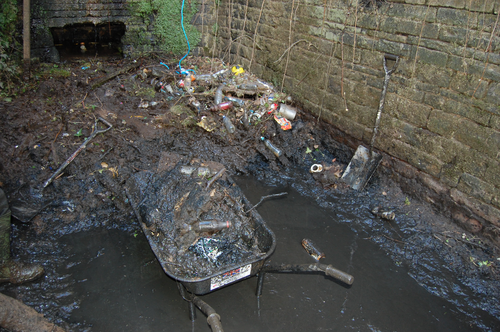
column 9, row 50
column 167, row 28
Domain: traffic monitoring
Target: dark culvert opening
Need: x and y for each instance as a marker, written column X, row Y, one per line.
column 85, row 40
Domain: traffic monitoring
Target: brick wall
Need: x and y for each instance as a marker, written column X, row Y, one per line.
column 440, row 130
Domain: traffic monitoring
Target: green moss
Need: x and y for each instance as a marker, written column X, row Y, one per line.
column 146, row 93
column 165, row 19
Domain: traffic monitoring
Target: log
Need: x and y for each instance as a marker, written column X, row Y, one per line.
column 15, row 316
column 113, row 75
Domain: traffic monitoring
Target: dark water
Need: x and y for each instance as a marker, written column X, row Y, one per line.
column 116, row 284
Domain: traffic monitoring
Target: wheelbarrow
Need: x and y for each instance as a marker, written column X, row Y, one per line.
column 193, row 190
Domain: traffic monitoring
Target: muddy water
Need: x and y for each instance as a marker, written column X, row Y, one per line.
column 117, row 284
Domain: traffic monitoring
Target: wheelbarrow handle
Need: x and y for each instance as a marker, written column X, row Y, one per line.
column 329, row 270
column 337, row 274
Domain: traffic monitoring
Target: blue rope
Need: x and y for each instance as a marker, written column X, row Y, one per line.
column 187, row 40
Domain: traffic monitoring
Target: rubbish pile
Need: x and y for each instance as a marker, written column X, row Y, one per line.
column 224, row 98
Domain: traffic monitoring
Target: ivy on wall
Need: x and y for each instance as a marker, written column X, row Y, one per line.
column 165, row 18
column 8, row 67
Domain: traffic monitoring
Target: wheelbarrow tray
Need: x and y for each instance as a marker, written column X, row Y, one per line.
column 225, row 275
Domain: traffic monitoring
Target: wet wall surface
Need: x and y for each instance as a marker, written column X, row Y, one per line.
column 116, row 284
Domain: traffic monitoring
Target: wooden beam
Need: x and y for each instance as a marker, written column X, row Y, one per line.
column 26, row 36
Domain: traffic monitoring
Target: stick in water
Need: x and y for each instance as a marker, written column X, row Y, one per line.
column 265, row 197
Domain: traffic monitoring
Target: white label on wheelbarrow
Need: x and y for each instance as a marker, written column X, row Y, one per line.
column 230, row 276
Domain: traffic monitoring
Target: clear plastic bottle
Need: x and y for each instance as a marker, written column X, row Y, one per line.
column 218, row 95
column 187, row 83
column 204, row 77
column 277, row 152
column 229, row 125
column 237, row 101
column 209, row 226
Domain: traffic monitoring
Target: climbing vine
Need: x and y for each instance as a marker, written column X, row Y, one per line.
column 8, row 49
column 165, row 16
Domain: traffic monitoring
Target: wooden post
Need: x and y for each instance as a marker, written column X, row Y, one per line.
column 26, row 37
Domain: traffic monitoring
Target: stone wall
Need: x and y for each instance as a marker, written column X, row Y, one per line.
column 139, row 36
column 46, row 14
column 440, row 130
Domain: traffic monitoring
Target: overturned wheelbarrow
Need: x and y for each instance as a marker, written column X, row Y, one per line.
column 205, row 233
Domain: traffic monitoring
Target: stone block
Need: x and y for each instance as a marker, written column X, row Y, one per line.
column 429, row 44
column 348, row 126
column 481, row 104
column 481, row 209
column 481, row 138
column 470, row 224
column 395, row 25
column 495, row 122
column 469, row 85
column 337, row 15
column 481, row 6
column 468, row 111
column 392, row 37
column 412, row 12
column 367, row 21
column 432, row 57
column 403, row 168
column 492, row 171
column 407, row 110
column 477, row 188
column 452, row 16
column 454, row 35
column 435, row 100
column 361, row 94
column 433, row 184
column 413, row 156
column 391, row 47
column 493, row 94
column 430, row 30
column 443, row 123
column 433, row 75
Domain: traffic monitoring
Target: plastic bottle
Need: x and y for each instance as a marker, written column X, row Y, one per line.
column 221, row 107
column 218, row 95
column 204, row 77
column 196, row 104
column 270, row 146
column 209, row 226
column 229, row 126
column 187, row 83
column 237, row 101
column 248, row 86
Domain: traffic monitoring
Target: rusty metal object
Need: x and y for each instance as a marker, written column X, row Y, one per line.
column 312, row 249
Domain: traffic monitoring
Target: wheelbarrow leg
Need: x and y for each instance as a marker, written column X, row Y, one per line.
column 260, row 283
column 192, row 311
column 192, row 307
